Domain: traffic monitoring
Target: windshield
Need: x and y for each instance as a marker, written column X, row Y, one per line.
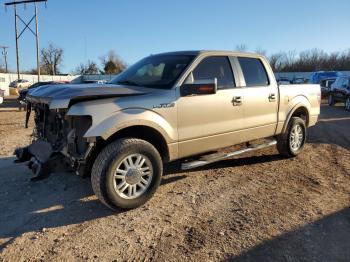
column 157, row 71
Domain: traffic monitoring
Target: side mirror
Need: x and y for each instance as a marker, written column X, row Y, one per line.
column 200, row 87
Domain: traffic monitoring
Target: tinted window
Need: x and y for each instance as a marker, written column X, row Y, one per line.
column 254, row 71
column 215, row 66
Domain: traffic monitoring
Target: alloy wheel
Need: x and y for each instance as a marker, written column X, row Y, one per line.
column 296, row 137
column 133, row 176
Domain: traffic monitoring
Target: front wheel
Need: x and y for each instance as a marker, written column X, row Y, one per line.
column 347, row 104
column 126, row 173
column 292, row 141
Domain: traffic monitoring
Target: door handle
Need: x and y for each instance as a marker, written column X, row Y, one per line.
column 272, row 97
column 237, row 100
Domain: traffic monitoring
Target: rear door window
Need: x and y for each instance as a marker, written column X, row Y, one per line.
column 218, row 67
column 253, row 71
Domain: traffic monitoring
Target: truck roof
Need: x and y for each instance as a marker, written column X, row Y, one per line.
column 211, row 52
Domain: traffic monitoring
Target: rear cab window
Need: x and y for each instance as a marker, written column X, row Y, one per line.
column 254, row 72
column 218, row 67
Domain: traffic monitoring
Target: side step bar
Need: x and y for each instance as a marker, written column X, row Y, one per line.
column 208, row 159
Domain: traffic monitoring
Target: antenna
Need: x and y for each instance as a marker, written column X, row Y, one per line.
column 27, row 26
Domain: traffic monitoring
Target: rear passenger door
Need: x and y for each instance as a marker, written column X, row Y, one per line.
column 259, row 99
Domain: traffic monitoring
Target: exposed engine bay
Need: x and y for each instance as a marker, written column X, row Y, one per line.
column 57, row 139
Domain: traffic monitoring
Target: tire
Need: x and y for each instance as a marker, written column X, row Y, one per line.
column 331, row 101
column 122, row 167
column 347, row 104
column 284, row 141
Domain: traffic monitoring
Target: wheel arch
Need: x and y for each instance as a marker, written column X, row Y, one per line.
column 300, row 111
column 143, row 132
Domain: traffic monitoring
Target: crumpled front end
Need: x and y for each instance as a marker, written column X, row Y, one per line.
column 58, row 141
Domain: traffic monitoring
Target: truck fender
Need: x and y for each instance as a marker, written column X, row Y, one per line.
column 140, row 117
column 297, row 103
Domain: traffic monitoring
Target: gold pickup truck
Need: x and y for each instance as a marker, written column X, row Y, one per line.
column 170, row 106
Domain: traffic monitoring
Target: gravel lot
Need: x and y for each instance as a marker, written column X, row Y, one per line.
column 257, row 207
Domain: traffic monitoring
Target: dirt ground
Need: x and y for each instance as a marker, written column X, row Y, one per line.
column 257, row 207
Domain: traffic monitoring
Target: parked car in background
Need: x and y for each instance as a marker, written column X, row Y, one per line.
column 2, row 95
column 299, row 80
column 317, row 77
column 340, row 92
column 283, row 81
column 20, row 83
column 17, row 85
column 326, row 85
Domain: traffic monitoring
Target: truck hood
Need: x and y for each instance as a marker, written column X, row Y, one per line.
column 62, row 96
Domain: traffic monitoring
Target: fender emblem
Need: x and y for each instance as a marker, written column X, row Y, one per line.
column 164, row 105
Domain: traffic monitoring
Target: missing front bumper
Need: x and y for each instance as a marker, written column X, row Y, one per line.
column 42, row 160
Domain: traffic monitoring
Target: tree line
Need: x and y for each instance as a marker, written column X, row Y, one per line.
column 305, row 61
column 51, row 58
column 310, row 60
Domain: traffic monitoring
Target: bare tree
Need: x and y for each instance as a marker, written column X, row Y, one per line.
column 242, row 47
column 260, row 51
column 112, row 63
column 310, row 60
column 51, row 59
column 276, row 61
column 90, row 68
column 79, row 70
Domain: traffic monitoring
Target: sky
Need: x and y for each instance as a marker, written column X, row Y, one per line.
column 88, row 29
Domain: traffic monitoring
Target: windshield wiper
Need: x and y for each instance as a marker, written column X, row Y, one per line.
column 127, row 82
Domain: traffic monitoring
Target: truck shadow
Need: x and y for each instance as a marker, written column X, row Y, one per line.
column 63, row 199
column 326, row 239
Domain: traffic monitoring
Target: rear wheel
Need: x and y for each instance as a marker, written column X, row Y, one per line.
column 291, row 142
column 347, row 104
column 331, row 101
column 126, row 173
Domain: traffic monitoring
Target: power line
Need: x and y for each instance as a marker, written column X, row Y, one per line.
column 27, row 26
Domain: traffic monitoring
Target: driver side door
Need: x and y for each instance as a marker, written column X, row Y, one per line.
column 209, row 122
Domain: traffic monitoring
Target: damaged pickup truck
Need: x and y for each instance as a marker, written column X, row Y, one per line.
column 170, row 106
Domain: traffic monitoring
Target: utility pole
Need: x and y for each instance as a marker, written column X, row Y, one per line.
column 37, row 41
column 4, row 53
column 16, row 30
column 36, row 33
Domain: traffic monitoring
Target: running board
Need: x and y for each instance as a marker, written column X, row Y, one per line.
column 208, row 159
